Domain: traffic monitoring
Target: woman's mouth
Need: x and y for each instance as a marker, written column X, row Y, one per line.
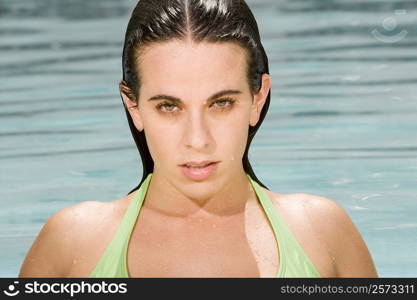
column 199, row 171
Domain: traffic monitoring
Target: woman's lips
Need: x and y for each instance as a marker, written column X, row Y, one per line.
column 199, row 173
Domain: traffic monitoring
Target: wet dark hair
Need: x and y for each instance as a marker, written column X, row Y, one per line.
column 215, row 21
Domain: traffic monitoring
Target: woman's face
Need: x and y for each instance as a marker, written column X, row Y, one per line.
column 183, row 119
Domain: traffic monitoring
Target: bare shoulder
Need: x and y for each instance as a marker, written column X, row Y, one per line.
column 335, row 229
column 63, row 234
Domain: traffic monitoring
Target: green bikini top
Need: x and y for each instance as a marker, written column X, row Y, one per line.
column 293, row 262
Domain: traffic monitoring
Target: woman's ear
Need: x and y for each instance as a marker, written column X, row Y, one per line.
column 131, row 105
column 259, row 99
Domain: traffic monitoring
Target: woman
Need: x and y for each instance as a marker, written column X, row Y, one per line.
column 196, row 89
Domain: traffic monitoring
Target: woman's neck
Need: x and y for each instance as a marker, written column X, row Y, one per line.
column 221, row 196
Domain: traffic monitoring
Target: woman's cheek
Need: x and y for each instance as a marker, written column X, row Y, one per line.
column 234, row 140
column 159, row 140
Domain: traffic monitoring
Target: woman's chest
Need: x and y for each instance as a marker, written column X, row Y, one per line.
column 195, row 250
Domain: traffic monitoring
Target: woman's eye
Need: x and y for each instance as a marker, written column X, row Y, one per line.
column 167, row 107
column 221, row 104
column 224, row 103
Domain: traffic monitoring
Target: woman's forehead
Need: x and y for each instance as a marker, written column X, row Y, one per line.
column 188, row 64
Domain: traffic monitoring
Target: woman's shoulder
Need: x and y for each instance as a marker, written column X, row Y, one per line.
column 68, row 232
column 310, row 207
column 324, row 215
column 86, row 214
column 88, row 219
column 333, row 227
column 299, row 200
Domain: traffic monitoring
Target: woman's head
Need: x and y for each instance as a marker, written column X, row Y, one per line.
column 191, row 50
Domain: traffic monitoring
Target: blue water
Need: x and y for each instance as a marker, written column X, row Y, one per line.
column 342, row 121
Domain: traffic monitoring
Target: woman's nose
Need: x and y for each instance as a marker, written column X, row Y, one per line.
column 197, row 132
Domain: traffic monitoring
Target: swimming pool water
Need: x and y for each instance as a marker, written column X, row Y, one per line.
column 342, row 121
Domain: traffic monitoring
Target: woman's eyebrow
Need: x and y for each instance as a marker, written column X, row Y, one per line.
column 212, row 97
